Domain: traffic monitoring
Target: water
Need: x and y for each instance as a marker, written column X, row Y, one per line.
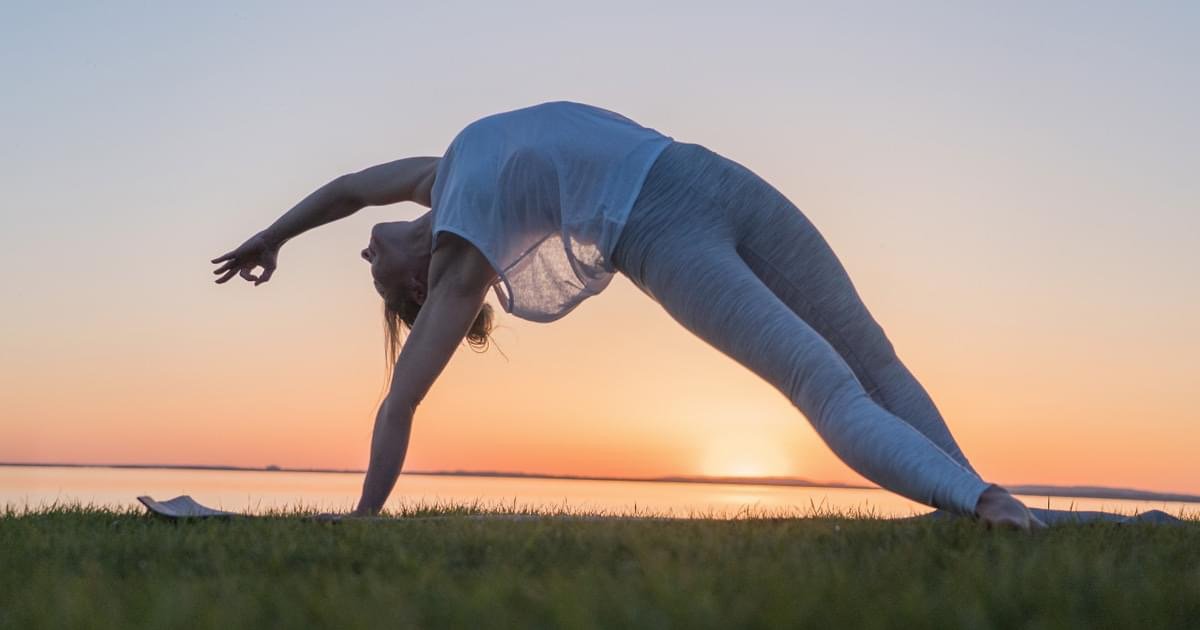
column 258, row 491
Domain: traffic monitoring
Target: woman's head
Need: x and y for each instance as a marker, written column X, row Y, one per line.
column 399, row 260
column 399, row 255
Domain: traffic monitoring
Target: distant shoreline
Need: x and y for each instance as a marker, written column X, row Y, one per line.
column 1082, row 492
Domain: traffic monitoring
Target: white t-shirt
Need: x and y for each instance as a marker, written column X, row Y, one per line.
column 544, row 193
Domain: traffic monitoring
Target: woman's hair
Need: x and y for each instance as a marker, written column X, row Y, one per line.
column 402, row 314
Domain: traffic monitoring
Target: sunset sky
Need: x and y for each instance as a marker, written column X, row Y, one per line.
column 1013, row 188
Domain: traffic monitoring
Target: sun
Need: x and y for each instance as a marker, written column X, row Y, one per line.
column 744, row 456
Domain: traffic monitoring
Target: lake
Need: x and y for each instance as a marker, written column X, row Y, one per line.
column 258, row 491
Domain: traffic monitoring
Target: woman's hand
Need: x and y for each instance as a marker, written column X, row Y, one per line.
column 338, row 517
column 257, row 251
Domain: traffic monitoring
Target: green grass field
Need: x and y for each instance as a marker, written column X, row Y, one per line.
column 80, row 567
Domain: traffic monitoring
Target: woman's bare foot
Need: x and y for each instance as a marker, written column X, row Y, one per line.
column 998, row 508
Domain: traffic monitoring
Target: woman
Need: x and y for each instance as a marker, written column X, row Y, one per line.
column 545, row 204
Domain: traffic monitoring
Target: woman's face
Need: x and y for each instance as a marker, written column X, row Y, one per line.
column 397, row 270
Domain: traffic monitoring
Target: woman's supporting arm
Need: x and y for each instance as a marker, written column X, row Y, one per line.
column 408, row 179
column 460, row 277
column 389, row 444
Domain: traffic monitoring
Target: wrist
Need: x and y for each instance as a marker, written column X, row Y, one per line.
column 364, row 511
column 272, row 237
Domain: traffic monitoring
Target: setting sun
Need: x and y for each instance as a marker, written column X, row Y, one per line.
column 746, row 456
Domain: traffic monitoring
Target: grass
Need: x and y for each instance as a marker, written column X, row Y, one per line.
column 75, row 566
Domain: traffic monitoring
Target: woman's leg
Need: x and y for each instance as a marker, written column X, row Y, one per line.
column 783, row 248
column 705, row 285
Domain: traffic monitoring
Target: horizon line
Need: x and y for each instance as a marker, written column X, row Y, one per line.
column 1049, row 490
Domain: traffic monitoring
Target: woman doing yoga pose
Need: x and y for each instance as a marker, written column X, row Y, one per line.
column 545, row 204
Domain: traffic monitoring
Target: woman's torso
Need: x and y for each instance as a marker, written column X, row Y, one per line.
column 544, row 193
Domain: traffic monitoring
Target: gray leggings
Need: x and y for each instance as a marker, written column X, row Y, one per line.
column 737, row 264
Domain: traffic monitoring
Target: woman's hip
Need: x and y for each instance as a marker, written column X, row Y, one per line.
column 694, row 199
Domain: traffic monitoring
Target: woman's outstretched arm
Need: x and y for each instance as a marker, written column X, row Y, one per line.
column 408, row 179
column 459, row 278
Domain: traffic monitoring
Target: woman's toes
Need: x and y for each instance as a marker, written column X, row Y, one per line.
column 998, row 508
column 1008, row 521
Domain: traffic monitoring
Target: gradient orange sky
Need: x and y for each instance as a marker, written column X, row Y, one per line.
column 1012, row 189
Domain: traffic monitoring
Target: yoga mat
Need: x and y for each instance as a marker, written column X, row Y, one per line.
column 185, row 507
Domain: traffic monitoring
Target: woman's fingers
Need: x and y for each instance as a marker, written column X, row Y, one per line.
column 266, row 275
column 243, row 264
column 244, row 272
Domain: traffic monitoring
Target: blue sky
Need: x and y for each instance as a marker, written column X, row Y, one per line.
column 1018, row 178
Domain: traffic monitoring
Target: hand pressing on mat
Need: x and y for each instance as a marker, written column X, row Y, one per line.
column 258, row 251
column 337, row 517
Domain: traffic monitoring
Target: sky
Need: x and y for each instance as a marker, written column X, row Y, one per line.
column 1012, row 187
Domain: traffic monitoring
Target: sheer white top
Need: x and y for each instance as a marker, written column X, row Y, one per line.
column 544, row 192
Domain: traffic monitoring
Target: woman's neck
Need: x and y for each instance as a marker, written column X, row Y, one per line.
column 422, row 231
